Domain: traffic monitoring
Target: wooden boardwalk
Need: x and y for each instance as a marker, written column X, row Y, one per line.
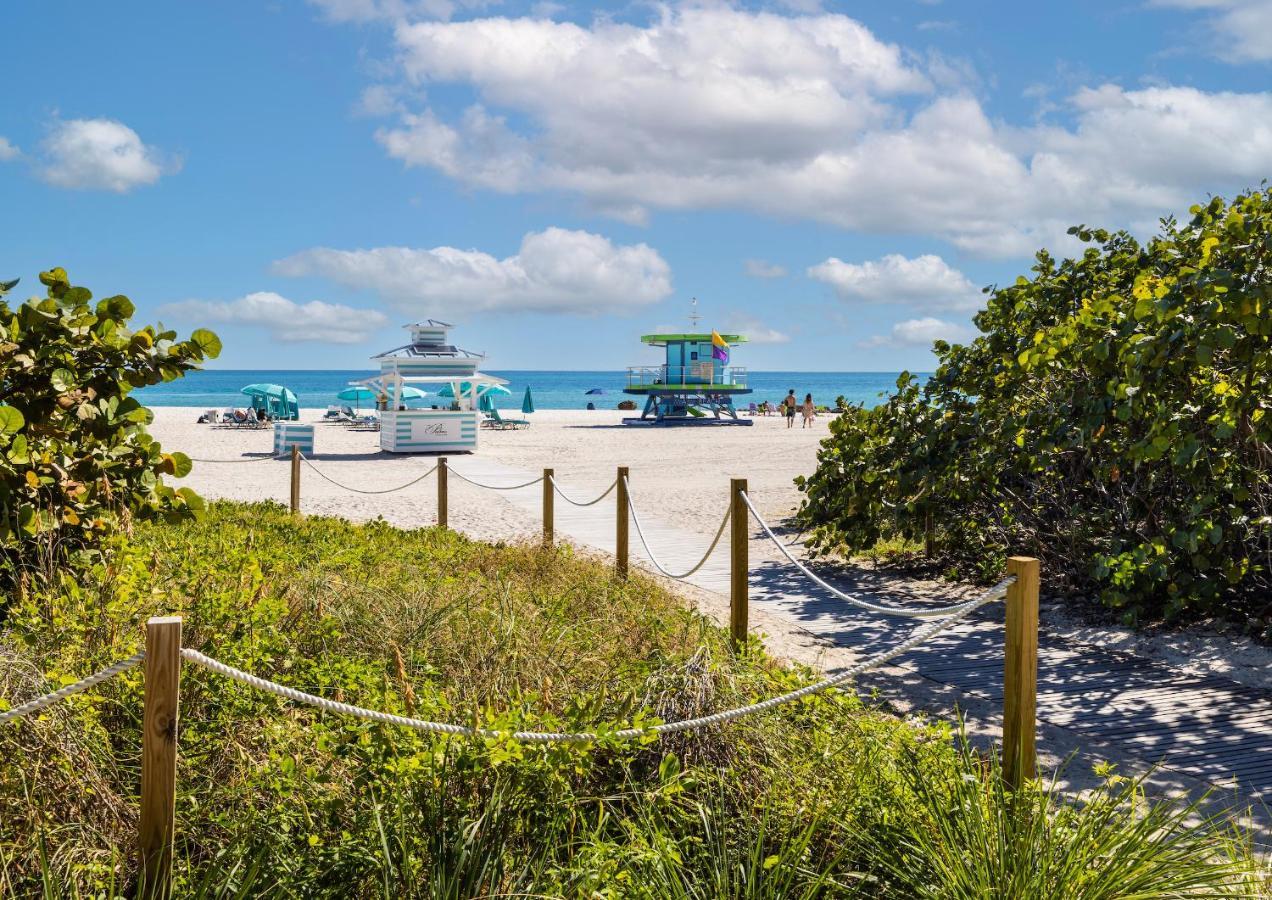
column 1207, row 727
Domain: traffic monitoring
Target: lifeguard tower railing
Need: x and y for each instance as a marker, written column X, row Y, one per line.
column 694, row 375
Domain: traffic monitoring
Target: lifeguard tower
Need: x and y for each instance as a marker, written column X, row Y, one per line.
column 695, row 385
column 431, row 363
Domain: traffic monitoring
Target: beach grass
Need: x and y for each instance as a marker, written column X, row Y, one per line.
column 826, row 797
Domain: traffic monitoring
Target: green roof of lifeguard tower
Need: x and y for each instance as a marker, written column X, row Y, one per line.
column 661, row 339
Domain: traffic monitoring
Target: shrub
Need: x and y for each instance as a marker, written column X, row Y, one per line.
column 1111, row 419
column 76, row 461
column 626, row 404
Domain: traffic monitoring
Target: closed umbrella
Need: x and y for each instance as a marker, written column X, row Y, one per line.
column 527, row 404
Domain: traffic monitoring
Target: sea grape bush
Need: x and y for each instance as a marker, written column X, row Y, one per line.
column 76, row 461
column 1111, row 419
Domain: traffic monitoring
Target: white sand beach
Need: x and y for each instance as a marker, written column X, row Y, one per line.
column 680, row 475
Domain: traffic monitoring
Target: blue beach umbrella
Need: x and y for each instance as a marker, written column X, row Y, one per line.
column 527, row 404
column 595, row 391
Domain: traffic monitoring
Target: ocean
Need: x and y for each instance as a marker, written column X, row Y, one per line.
column 316, row 389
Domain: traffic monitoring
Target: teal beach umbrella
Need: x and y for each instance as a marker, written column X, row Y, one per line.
column 274, row 399
column 527, row 404
column 466, row 386
column 357, row 393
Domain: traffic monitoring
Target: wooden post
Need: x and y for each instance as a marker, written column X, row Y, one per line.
column 1020, row 681
column 620, row 523
column 549, row 499
column 929, row 535
column 159, row 753
column 295, row 479
column 442, row 513
column 739, row 564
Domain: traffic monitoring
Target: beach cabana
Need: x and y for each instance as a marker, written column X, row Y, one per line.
column 277, row 401
column 431, row 362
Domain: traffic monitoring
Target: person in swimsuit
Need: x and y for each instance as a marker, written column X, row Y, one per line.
column 788, row 407
column 810, row 411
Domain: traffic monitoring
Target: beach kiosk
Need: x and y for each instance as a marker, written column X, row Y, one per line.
column 430, row 362
column 695, row 385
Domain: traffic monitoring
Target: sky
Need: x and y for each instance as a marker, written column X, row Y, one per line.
column 837, row 181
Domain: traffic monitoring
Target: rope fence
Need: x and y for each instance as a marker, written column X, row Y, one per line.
column 164, row 653
column 270, row 458
column 392, row 490
column 640, row 533
column 920, row 613
column 570, row 500
column 34, row 706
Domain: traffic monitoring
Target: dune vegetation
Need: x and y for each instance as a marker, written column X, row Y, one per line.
column 1112, row 419
column 825, row 797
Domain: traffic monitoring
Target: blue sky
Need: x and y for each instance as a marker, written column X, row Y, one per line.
column 835, row 180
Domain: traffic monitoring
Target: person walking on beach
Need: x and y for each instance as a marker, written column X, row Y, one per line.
column 810, row 411
column 788, row 407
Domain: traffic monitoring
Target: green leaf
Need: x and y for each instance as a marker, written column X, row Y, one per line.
column 181, row 465
column 63, row 380
column 11, row 421
column 207, row 342
column 118, row 308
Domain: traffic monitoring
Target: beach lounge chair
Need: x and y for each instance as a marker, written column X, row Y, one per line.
column 754, row 409
column 501, row 422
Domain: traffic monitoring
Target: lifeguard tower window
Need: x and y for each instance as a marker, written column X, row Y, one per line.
column 693, row 354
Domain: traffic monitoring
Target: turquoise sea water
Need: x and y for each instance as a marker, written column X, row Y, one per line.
column 552, row 390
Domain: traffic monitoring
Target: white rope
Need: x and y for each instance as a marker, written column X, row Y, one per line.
column 39, row 703
column 355, row 490
column 928, row 613
column 640, row 533
column 253, row 459
column 568, row 499
column 498, row 487
column 920, row 635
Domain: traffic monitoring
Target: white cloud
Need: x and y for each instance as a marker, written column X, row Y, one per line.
column 8, row 150
column 926, row 282
column 378, row 101
column 100, row 154
column 555, row 270
column 1242, row 28
column 921, row 333
column 758, row 268
column 286, row 320
column 756, row 332
column 804, row 116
